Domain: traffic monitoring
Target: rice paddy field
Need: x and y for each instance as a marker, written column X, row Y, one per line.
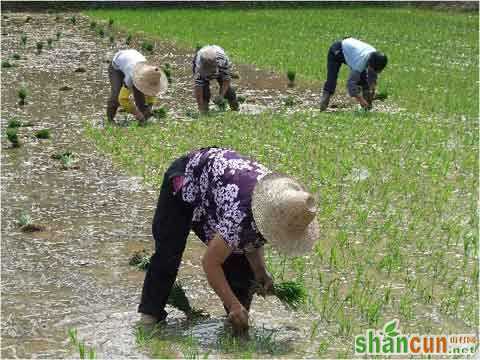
column 397, row 187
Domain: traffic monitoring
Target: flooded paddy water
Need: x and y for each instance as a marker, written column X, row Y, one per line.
column 75, row 274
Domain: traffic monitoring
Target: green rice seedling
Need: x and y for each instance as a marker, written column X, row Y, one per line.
column 43, row 134
column 6, row 64
column 23, row 39
column 93, row 25
column 22, row 95
column 110, row 22
column 147, row 46
column 221, row 103
column 290, row 293
column 67, row 160
column 160, row 113
column 58, row 35
column 140, row 259
column 39, row 47
column 16, row 56
column 241, row 99
column 111, row 38
column 49, row 42
column 289, row 101
column 12, row 136
column 57, row 18
column 168, row 73
column 291, row 74
column 59, row 156
column 28, row 19
column 128, row 39
column 73, row 20
column 24, row 219
column 101, row 32
column 84, row 352
column 14, row 123
column 381, row 95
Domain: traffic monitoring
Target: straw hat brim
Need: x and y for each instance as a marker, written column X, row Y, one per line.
column 290, row 242
column 142, row 83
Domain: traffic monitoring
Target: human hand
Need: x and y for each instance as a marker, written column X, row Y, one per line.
column 264, row 282
column 238, row 316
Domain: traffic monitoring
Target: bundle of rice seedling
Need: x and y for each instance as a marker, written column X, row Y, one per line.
column 291, row 293
column 140, row 259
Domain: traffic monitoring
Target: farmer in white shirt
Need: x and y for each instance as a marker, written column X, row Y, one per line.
column 365, row 63
column 129, row 68
column 211, row 62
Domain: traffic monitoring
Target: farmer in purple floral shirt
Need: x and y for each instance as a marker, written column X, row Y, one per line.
column 234, row 205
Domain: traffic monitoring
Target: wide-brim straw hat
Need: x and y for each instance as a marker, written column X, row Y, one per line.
column 149, row 79
column 285, row 214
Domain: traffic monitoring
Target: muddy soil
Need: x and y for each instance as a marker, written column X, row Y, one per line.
column 75, row 273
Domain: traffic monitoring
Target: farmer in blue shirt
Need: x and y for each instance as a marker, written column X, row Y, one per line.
column 365, row 63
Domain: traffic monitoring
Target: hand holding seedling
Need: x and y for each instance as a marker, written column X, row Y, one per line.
column 238, row 316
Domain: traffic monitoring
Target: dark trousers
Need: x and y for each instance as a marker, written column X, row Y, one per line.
column 171, row 226
column 116, row 82
column 335, row 59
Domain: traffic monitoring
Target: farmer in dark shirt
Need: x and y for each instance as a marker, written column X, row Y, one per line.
column 364, row 62
column 130, row 69
column 211, row 62
column 234, row 205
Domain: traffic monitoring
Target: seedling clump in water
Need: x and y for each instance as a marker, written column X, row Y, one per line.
column 128, row 40
column 147, row 46
column 43, row 134
column 289, row 101
column 140, row 259
column 23, row 39
column 93, row 25
column 14, row 123
column 22, row 95
column 160, row 113
column 39, row 47
column 291, row 74
column 26, row 224
column 6, row 64
column 110, row 22
column 12, row 136
column 49, row 42
column 101, row 32
column 16, row 57
column 241, row 99
column 112, row 39
column 73, row 20
column 58, row 35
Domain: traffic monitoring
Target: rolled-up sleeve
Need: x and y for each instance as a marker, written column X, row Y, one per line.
column 352, row 83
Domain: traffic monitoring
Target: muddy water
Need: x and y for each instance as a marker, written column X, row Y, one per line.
column 76, row 273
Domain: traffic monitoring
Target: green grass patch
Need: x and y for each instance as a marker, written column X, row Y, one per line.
column 433, row 55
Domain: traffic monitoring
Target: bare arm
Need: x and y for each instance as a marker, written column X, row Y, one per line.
column 256, row 260
column 217, row 252
column 202, row 107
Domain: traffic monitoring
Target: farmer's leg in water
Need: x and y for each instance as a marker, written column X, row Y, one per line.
column 171, row 225
column 227, row 91
column 335, row 60
column 116, row 82
column 202, row 95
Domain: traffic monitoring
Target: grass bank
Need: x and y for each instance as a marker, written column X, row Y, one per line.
column 397, row 197
column 433, row 55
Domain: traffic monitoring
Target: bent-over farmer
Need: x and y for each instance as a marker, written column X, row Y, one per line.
column 234, row 205
column 211, row 62
column 365, row 63
column 130, row 69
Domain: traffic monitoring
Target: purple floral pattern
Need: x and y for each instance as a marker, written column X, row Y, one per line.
column 219, row 184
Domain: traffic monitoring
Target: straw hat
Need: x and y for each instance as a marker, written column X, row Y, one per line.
column 149, row 79
column 285, row 214
column 208, row 61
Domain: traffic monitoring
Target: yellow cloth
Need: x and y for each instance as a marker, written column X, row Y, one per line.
column 125, row 98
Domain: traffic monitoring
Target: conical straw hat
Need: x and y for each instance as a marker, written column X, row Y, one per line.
column 149, row 79
column 285, row 214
